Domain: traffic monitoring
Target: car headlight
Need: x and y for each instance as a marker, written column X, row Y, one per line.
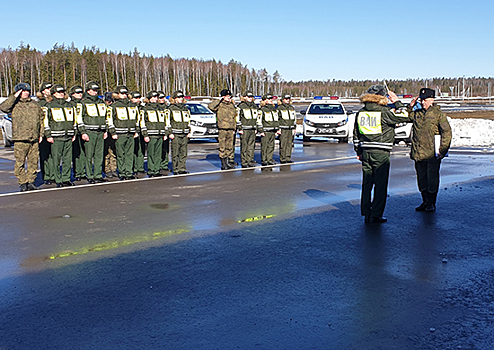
column 196, row 123
column 343, row 122
column 308, row 122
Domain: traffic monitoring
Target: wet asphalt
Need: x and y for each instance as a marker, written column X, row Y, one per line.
column 273, row 258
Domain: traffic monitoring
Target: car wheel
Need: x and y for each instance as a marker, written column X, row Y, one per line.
column 6, row 142
column 343, row 140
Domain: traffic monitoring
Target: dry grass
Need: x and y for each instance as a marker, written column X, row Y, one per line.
column 477, row 114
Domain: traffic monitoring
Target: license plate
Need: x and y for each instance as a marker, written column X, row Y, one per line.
column 327, row 131
column 212, row 131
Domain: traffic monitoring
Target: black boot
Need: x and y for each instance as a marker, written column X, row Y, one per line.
column 431, row 205
column 425, row 201
column 224, row 164
column 231, row 163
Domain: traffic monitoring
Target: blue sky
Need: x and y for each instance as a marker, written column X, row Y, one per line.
column 303, row 40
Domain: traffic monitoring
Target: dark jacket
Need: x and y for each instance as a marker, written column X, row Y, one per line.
column 27, row 118
column 427, row 124
column 375, row 124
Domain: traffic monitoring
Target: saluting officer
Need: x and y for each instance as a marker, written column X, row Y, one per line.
column 288, row 122
column 44, row 96
column 60, row 132
column 91, row 123
column 268, row 126
column 78, row 154
column 429, row 124
column 247, row 112
column 178, row 131
column 153, row 130
column 373, row 138
column 122, row 124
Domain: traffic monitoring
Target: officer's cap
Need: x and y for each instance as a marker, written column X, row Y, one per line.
column 152, row 93
column 225, row 92
column 57, row 88
column 91, row 85
column 121, row 89
column 377, row 90
column 135, row 94
column 45, row 86
column 287, row 97
column 178, row 94
column 267, row 97
column 427, row 93
column 22, row 86
column 76, row 89
column 248, row 93
column 161, row 94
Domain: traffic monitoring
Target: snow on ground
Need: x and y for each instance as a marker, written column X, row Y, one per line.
column 472, row 132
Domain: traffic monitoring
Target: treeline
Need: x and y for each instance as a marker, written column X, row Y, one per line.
column 69, row 66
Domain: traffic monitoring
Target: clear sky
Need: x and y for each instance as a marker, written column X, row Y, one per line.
column 303, row 40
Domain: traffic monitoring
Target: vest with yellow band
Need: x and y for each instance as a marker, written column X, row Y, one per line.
column 152, row 120
column 370, row 124
column 59, row 119
column 122, row 117
column 247, row 116
column 178, row 119
column 287, row 116
column 91, row 114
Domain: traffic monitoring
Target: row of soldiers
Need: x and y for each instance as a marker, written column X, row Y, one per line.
column 90, row 135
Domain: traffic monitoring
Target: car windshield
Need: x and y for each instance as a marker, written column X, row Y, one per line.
column 198, row 109
column 326, row 108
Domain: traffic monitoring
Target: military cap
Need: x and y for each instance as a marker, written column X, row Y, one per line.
column 135, row 94
column 22, row 86
column 267, row 97
column 248, row 93
column 45, row 86
column 57, row 88
column 152, row 93
column 121, row 89
column 225, row 92
column 286, row 97
column 76, row 89
column 377, row 90
column 91, row 85
column 161, row 94
column 178, row 94
column 427, row 93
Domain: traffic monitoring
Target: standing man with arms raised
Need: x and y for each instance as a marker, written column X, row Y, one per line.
column 373, row 138
column 431, row 138
column 27, row 129
column 226, row 115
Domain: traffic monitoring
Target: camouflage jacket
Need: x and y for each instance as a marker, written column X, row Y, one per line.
column 27, row 118
column 226, row 114
column 426, row 124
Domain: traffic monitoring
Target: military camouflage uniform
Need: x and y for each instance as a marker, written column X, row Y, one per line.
column 226, row 116
column 427, row 124
column 27, row 127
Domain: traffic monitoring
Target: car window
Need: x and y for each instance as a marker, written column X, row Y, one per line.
column 198, row 109
column 326, row 109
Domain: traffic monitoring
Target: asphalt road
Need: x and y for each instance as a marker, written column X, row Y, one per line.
column 273, row 258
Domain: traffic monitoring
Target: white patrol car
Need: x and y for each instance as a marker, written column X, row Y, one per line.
column 403, row 131
column 326, row 117
column 202, row 121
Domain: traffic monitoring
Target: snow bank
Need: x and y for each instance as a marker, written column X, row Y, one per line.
column 472, row 132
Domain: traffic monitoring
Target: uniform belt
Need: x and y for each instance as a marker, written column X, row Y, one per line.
column 286, row 127
column 270, row 129
column 248, row 127
column 180, row 131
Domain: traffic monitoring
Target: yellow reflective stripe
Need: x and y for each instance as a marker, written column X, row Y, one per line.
column 369, row 123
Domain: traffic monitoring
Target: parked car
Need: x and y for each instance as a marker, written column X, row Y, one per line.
column 403, row 131
column 202, row 121
column 6, row 124
column 326, row 117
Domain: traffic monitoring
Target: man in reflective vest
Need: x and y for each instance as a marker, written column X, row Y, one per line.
column 287, row 119
column 373, row 138
column 246, row 125
column 178, row 119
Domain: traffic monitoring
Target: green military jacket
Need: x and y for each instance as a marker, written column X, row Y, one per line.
column 226, row 114
column 247, row 113
column 59, row 119
column 375, row 124
column 287, row 116
column 178, row 119
column 267, row 119
column 91, row 114
column 427, row 124
column 122, row 117
column 153, row 120
column 27, row 118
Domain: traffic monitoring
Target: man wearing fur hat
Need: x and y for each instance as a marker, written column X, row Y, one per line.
column 44, row 96
column 178, row 130
column 431, row 138
column 27, row 128
column 226, row 115
column 247, row 112
column 268, row 126
column 373, row 138
column 78, row 154
column 122, row 122
column 60, row 132
column 91, row 124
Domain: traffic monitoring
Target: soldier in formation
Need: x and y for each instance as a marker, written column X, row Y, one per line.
column 287, row 121
column 178, row 131
column 78, row 154
column 247, row 113
column 268, row 126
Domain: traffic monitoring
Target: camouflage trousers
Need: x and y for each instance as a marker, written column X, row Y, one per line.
column 226, row 139
column 110, row 155
column 26, row 161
